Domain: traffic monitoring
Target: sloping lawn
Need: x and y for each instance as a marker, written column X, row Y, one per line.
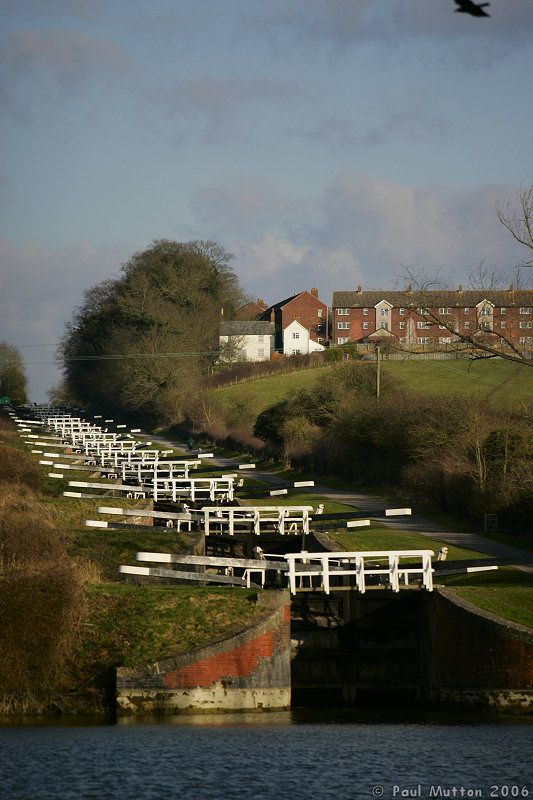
column 506, row 592
column 383, row 538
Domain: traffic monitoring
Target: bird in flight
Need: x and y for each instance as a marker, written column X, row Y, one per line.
column 469, row 7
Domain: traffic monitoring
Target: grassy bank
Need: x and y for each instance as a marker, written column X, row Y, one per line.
column 506, row 592
column 67, row 617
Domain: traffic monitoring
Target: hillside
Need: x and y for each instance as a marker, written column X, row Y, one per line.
column 498, row 381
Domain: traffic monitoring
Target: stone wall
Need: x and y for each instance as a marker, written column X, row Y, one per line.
column 249, row 671
column 474, row 658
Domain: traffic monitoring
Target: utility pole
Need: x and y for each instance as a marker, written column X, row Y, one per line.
column 378, row 371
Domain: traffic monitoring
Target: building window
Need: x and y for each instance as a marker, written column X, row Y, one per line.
column 296, row 352
column 385, row 326
column 260, row 352
column 343, row 312
column 526, row 325
column 296, row 335
column 424, row 325
column 445, row 339
column 503, row 311
column 402, row 326
column 342, row 340
column 444, row 311
column 422, row 311
column 319, row 312
column 486, row 325
column 467, row 326
column 503, row 324
column 526, row 340
column 423, row 340
column 486, row 311
column 383, row 312
column 467, row 311
column 526, row 310
column 260, row 339
column 365, row 311
column 343, row 326
column 401, row 311
column 365, row 326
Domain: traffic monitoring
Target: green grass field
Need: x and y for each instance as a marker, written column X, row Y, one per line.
column 507, row 592
column 379, row 537
column 495, row 380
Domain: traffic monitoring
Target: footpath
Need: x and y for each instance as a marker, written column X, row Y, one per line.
column 370, row 506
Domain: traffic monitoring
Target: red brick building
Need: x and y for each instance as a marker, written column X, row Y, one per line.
column 307, row 309
column 433, row 318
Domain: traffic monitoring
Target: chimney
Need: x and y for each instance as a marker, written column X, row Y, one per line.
column 359, row 290
column 314, row 292
column 409, row 289
column 460, row 289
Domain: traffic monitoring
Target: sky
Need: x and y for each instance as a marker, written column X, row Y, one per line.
column 327, row 143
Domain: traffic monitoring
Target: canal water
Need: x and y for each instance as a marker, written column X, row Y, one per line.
column 297, row 755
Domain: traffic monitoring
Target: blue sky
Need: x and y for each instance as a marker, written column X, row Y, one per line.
column 325, row 143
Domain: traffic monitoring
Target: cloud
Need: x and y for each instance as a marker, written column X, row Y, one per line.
column 40, row 288
column 410, row 121
column 340, row 23
column 68, row 60
column 215, row 107
column 360, row 230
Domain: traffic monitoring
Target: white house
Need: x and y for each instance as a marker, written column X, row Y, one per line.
column 297, row 341
column 246, row 340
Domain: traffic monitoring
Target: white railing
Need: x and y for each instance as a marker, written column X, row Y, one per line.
column 175, row 489
column 259, row 519
column 394, row 565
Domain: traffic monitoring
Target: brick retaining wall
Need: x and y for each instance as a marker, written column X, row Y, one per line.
column 244, row 672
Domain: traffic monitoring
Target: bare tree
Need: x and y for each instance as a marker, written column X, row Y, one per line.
column 439, row 306
column 517, row 217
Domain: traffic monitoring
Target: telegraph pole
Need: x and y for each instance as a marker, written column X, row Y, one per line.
column 378, row 371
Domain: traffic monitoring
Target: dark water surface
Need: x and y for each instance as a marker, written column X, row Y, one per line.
column 266, row 757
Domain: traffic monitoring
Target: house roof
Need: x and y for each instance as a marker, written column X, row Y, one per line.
column 251, row 310
column 247, row 328
column 288, row 300
column 468, row 298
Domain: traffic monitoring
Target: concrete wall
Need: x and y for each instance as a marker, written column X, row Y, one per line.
column 249, row 671
column 474, row 658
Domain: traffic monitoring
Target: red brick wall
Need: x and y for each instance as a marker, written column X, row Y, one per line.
column 255, row 657
column 305, row 308
column 476, row 658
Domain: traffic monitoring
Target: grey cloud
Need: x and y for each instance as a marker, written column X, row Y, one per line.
column 70, row 60
column 340, row 23
column 40, row 287
column 342, row 132
column 215, row 107
column 242, row 204
column 361, row 230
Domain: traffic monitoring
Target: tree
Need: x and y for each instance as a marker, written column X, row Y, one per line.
column 518, row 219
column 141, row 342
column 13, row 381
